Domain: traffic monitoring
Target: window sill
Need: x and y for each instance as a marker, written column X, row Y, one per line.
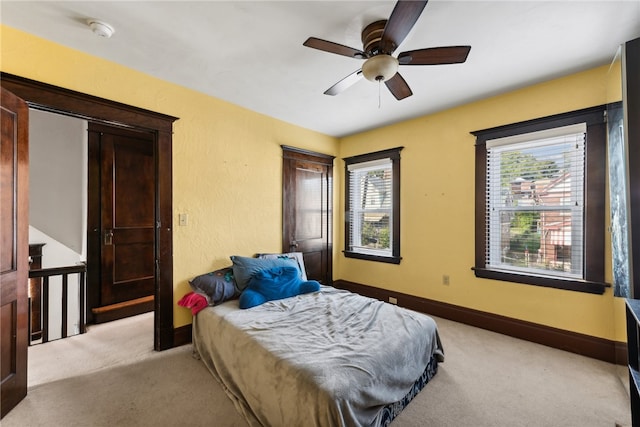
column 368, row 257
column 549, row 282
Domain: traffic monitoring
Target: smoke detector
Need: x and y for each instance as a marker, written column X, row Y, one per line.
column 101, row 28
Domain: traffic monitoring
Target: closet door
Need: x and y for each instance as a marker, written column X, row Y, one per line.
column 123, row 198
column 307, row 210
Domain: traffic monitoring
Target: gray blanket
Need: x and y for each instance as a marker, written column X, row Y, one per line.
column 331, row 358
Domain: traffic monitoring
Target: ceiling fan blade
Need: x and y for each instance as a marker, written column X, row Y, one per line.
column 435, row 56
column 345, row 83
column 402, row 19
column 398, row 87
column 332, row 47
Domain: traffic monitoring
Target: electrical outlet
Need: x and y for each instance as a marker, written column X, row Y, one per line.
column 393, row 300
column 445, row 279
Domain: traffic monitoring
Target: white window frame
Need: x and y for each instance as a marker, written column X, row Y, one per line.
column 357, row 210
column 573, row 138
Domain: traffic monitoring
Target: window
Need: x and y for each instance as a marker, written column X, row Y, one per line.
column 540, row 202
column 372, row 219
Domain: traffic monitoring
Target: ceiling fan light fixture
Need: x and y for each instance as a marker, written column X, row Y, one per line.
column 380, row 68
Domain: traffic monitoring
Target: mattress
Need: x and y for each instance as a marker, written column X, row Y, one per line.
column 329, row 358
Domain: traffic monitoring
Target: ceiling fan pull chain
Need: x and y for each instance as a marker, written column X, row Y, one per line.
column 379, row 85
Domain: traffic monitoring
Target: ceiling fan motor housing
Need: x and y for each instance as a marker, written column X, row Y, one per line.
column 371, row 36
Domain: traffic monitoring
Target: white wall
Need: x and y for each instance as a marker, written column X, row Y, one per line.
column 58, row 177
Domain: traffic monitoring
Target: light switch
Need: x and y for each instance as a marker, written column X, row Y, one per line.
column 183, row 219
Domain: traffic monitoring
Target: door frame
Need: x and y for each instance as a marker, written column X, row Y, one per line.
column 46, row 97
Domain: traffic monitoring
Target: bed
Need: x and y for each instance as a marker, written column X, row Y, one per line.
column 327, row 358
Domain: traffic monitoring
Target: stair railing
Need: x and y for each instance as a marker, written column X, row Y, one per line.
column 46, row 274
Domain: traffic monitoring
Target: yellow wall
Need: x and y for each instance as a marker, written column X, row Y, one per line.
column 227, row 162
column 437, row 210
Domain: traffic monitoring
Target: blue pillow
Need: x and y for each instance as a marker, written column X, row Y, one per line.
column 218, row 286
column 273, row 284
column 245, row 267
column 296, row 256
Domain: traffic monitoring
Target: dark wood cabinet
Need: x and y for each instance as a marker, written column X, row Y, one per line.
column 633, row 345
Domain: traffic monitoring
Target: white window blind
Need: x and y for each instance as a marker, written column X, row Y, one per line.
column 535, row 202
column 371, row 207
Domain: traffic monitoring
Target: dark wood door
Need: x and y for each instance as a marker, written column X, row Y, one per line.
column 123, row 216
column 14, row 250
column 307, row 210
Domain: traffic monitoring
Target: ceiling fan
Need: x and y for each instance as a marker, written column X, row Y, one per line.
column 380, row 39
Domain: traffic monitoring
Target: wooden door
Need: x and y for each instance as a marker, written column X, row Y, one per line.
column 307, row 210
column 124, row 236
column 14, row 258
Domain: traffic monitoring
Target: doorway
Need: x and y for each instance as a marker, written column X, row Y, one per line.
column 87, row 182
column 57, row 220
column 102, row 111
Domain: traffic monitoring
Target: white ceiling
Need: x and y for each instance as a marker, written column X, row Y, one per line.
column 250, row 53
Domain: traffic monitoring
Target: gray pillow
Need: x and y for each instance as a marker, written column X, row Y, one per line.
column 217, row 286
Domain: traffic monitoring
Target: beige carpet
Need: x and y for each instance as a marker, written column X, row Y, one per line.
column 112, row 377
